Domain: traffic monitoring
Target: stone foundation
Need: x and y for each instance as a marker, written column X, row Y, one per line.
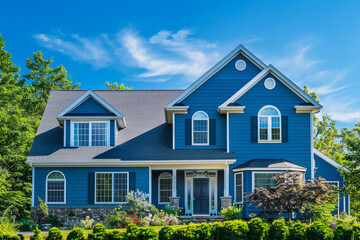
column 66, row 214
column 225, row 202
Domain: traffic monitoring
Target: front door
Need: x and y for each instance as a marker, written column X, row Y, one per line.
column 201, row 195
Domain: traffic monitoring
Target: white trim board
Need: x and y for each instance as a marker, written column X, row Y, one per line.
column 195, row 85
column 328, row 160
column 287, row 82
column 269, row 169
column 242, row 188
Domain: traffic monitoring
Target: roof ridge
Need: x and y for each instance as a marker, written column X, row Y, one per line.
column 97, row 90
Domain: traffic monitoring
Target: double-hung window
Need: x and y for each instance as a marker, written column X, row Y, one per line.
column 239, row 187
column 265, row 180
column 111, row 187
column 269, row 120
column 165, row 188
column 93, row 133
column 55, row 187
column 200, row 128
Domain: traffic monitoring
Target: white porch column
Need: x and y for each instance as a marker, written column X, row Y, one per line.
column 226, row 180
column 174, row 183
column 150, row 184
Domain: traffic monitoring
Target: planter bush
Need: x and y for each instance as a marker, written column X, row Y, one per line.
column 217, row 230
column 258, row 230
column 319, row 231
column 54, row 234
column 298, row 231
column 278, row 230
column 166, row 233
column 76, row 234
column 133, row 232
column 342, row 233
column 236, row 229
column 116, row 235
column 98, row 228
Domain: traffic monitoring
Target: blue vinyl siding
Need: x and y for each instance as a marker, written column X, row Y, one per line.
column 91, row 106
column 68, row 132
column 77, row 183
column 112, row 132
column 296, row 150
column 330, row 173
column 220, row 185
column 209, row 96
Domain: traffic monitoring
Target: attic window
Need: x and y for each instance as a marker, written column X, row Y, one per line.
column 270, row 83
column 92, row 133
column 240, row 65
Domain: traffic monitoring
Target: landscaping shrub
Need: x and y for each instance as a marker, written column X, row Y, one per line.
column 185, row 233
column 21, row 236
column 166, row 233
column 133, row 232
column 98, row 228
column 278, row 230
column 320, row 212
column 87, row 223
column 355, row 229
column 26, row 226
column 319, row 231
column 116, row 235
column 54, row 221
column 342, row 233
column 6, row 236
column 232, row 212
column 7, row 225
column 298, row 231
column 236, row 229
column 217, row 230
column 36, row 235
column 76, row 234
column 54, row 234
column 258, row 230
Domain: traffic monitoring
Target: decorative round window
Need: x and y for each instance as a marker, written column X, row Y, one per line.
column 269, row 83
column 240, row 65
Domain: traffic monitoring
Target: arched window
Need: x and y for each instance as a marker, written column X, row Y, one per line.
column 200, row 128
column 269, row 120
column 165, row 188
column 55, row 187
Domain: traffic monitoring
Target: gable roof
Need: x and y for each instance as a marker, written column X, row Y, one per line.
column 328, row 160
column 269, row 164
column 195, row 85
column 146, row 137
column 286, row 81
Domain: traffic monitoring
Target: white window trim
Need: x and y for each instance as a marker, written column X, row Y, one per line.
column 338, row 207
column 159, row 187
column 46, row 187
column 192, row 130
column 112, row 188
column 269, row 125
column 90, row 123
column 253, row 178
column 242, row 188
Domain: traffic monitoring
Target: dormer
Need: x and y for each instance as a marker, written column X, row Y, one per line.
column 90, row 122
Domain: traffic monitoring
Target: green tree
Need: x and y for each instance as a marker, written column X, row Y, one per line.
column 115, row 86
column 43, row 79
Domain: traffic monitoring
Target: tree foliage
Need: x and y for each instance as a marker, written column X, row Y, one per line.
column 115, row 86
column 292, row 194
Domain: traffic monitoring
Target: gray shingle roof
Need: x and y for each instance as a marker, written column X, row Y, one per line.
column 146, row 137
column 269, row 163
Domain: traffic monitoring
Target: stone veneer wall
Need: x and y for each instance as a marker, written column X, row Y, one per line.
column 96, row 213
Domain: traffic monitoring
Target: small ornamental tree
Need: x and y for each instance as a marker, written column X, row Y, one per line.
column 292, row 194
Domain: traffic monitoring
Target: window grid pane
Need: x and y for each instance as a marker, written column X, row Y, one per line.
column 264, row 180
column 104, row 187
column 238, row 186
column 120, row 187
column 81, row 134
column 99, row 134
column 56, row 191
column 200, row 131
column 165, row 188
column 263, row 128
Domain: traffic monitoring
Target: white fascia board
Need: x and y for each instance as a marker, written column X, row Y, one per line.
column 239, row 49
column 328, row 160
column 269, row 169
column 104, row 162
column 287, row 82
column 82, row 98
column 307, row 109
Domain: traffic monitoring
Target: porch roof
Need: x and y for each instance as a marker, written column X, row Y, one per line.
column 269, row 164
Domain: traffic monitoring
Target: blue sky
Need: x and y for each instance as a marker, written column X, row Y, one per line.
column 168, row 44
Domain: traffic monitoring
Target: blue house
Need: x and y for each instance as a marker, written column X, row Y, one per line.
column 199, row 149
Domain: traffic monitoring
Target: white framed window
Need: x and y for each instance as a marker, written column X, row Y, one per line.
column 165, row 188
column 55, row 188
column 263, row 179
column 200, row 128
column 269, row 125
column 90, row 133
column 239, row 187
column 336, row 185
column 111, row 187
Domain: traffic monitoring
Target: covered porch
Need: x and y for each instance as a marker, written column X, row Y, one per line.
column 198, row 190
